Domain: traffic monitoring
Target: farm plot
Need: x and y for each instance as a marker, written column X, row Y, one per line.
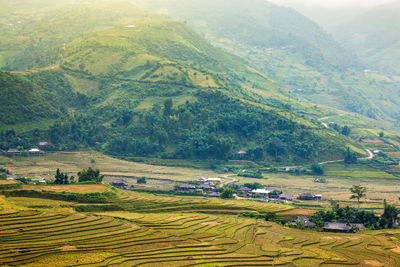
column 159, row 230
column 181, row 239
column 144, row 202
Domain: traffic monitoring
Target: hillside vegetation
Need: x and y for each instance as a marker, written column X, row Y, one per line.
column 131, row 83
column 291, row 49
column 21, row 100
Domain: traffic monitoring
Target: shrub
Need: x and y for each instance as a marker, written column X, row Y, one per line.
column 317, row 169
column 227, row 193
column 142, row 180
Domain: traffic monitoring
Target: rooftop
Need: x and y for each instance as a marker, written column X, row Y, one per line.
column 261, row 191
column 119, row 182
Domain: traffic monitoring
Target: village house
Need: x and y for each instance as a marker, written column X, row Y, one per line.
column 262, row 192
column 36, row 152
column 200, row 191
column 119, row 184
column 342, row 227
column 207, row 186
column 187, row 187
column 209, row 180
column 287, row 197
column 245, row 191
column 39, row 181
column 303, row 221
column 214, row 194
column 13, row 151
column 45, row 145
column 318, row 197
column 306, row 196
column 214, row 180
column 202, row 180
column 12, row 177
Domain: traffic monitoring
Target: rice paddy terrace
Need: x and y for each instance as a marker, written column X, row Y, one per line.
column 176, row 231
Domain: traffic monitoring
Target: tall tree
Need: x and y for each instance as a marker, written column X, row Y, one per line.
column 65, row 178
column 59, row 177
column 168, row 107
column 350, row 157
column 358, row 192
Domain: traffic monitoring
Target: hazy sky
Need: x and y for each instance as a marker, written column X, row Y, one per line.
column 336, row 3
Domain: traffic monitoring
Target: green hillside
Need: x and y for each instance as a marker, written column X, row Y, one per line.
column 22, row 101
column 136, row 84
column 289, row 48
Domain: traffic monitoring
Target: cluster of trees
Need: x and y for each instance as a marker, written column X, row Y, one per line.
column 4, row 173
column 88, row 175
column 350, row 157
column 62, row 178
column 317, row 169
column 345, row 130
column 228, row 193
column 352, row 215
column 141, row 180
column 346, row 215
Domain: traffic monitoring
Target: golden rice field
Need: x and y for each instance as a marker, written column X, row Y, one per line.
column 176, row 231
column 7, row 182
column 181, row 239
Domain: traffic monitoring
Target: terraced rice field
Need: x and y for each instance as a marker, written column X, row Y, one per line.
column 143, row 202
column 181, row 239
column 159, row 230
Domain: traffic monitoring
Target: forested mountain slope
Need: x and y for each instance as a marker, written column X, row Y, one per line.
column 22, row 101
column 291, row 49
column 131, row 83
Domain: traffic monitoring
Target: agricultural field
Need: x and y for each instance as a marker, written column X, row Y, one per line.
column 7, row 182
column 178, row 237
column 72, row 162
column 340, row 177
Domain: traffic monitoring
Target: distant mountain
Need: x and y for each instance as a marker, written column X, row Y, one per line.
column 375, row 37
column 257, row 23
column 289, row 48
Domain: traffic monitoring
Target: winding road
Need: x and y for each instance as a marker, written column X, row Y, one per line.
column 370, row 154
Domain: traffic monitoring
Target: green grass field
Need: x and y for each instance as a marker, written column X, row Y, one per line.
column 356, row 171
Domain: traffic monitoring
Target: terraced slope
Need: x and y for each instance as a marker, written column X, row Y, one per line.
column 181, row 239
